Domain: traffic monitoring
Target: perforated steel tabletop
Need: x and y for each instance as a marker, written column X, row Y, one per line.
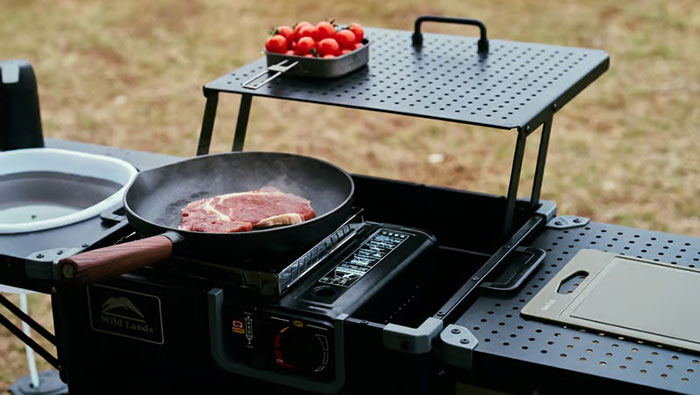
column 505, row 335
column 444, row 79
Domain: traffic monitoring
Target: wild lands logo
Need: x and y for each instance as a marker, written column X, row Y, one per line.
column 123, row 306
column 120, row 312
column 125, row 313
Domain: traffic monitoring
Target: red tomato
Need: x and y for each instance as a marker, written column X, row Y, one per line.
column 346, row 39
column 328, row 56
column 298, row 27
column 328, row 46
column 325, row 30
column 289, row 52
column 286, row 32
column 358, row 31
column 345, row 51
column 308, row 31
column 292, row 45
column 308, row 55
column 305, row 45
column 358, row 46
column 277, row 44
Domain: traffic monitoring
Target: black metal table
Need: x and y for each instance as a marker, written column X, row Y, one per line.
column 535, row 354
column 507, row 85
column 531, row 352
column 538, row 355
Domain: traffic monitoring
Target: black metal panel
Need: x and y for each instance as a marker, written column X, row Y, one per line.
column 459, row 219
column 445, row 78
column 545, row 348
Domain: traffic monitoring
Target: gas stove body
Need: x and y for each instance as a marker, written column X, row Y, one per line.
column 298, row 340
column 351, row 319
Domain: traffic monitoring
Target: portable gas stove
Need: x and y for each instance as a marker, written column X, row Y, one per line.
column 309, row 321
column 421, row 287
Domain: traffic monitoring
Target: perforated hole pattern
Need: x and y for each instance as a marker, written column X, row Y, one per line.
column 496, row 320
column 446, row 79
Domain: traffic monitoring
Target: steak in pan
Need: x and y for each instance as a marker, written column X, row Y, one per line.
column 244, row 211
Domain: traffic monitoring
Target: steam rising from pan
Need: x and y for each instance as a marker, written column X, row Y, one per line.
column 158, row 195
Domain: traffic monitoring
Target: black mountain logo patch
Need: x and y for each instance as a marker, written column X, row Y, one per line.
column 126, row 313
column 122, row 307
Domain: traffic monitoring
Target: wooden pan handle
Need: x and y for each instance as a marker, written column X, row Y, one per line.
column 108, row 262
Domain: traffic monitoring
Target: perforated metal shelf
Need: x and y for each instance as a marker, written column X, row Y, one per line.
column 503, row 334
column 444, row 79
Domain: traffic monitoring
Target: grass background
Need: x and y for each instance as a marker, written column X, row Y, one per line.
column 129, row 74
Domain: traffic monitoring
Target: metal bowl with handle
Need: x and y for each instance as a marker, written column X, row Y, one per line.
column 301, row 66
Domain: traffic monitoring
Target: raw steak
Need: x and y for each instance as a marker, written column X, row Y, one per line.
column 244, row 211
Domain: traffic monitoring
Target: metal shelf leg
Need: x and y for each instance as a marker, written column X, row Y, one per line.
column 208, row 122
column 541, row 160
column 242, row 123
column 514, row 182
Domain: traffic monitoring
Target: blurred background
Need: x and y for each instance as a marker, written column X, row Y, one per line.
column 130, row 73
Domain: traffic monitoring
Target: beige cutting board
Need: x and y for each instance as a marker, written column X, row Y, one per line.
column 643, row 299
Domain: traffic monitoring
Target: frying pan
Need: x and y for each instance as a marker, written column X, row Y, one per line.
column 153, row 201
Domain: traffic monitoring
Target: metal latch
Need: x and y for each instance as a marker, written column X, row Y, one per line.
column 567, row 222
column 458, row 344
column 412, row 340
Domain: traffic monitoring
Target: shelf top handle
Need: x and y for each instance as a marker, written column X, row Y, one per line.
column 482, row 45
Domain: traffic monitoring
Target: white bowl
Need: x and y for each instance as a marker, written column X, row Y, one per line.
column 68, row 162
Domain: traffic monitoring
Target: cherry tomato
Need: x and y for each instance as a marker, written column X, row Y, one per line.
column 277, row 44
column 358, row 31
column 289, row 52
column 325, row 30
column 328, row 56
column 328, row 46
column 345, row 51
column 292, row 45
column 308, row 31
column 308, row 55
column 346, row 39
column 358, row 46
column 298, row 27
column 305, row 45
column 301, row 24
column 286, row 32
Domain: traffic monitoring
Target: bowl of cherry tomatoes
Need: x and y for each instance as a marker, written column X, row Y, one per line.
column 324, row 50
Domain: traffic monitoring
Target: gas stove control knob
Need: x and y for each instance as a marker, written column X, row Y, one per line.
column 299, row 348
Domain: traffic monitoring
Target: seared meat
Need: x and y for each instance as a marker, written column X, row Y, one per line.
column 243, row 211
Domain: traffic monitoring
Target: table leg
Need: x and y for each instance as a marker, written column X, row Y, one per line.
column 513, row 184
column 242, row 123
column 208, row 122
column 541, row 160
